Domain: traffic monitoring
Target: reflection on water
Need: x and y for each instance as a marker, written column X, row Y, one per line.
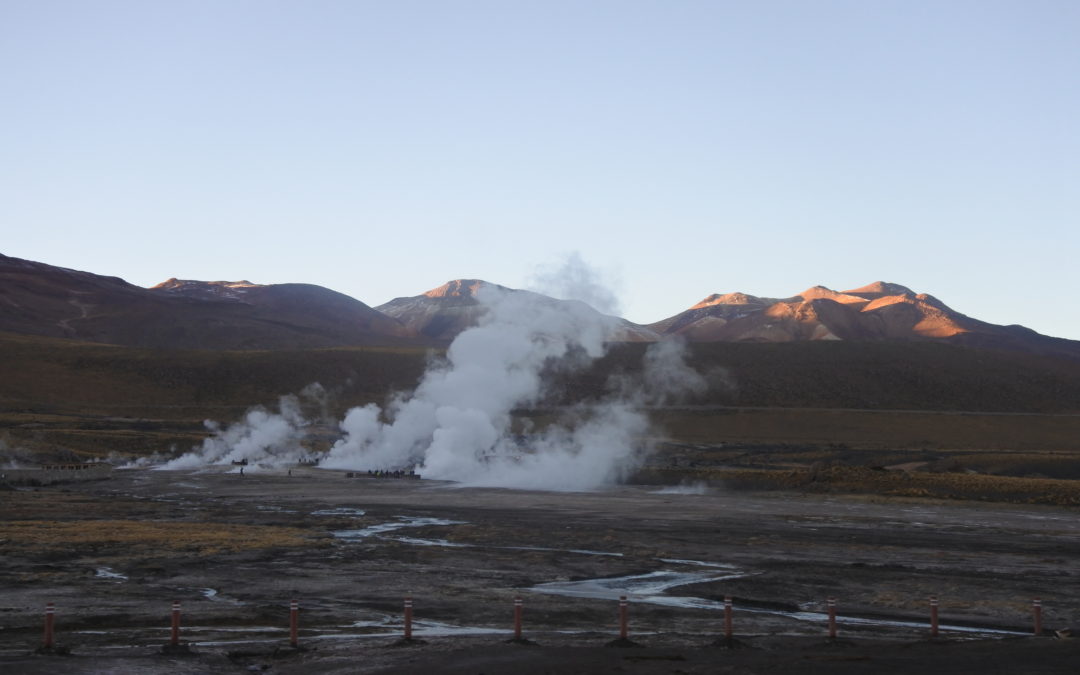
column 402, row 522
column 652, row 588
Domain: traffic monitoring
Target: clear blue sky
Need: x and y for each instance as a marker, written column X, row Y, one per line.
column 683, row 148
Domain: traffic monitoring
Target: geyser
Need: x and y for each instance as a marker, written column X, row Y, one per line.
column 262, row 438
column 456, row 424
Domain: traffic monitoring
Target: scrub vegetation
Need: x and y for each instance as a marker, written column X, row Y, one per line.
column 134, row 537
column 893, row 418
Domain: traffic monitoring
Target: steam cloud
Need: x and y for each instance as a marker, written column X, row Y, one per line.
column 262, row 438
column 457, row 424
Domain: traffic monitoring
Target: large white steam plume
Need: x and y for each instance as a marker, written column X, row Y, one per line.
column 457, row 424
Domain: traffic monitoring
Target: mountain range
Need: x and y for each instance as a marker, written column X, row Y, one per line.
column 41, row 299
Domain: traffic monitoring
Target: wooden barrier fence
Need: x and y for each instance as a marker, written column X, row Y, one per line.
column 623, row 622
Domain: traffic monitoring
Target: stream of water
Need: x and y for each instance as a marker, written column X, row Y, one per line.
column 653, row 587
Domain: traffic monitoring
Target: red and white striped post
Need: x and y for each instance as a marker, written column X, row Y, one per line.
column 728, row 629
column 49, row 611
column 408, row 617
column 831, row 602
column 1036, row 609
column 933, row 616
column 294, row 624
column 518, row 605
column 174, row 639
column 623, row 623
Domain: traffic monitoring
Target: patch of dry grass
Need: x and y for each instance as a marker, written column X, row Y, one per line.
column 860, row 480
column 54, row 504
column 890, row 430
column 148, row 537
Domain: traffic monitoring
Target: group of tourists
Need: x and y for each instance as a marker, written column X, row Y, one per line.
column 392, row 474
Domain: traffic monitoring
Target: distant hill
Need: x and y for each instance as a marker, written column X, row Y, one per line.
column 40, row 299
column 61, row 399
column 878, row 311
column 443, row 312
column 47, row 375
column 68, row 377
column 876, row 375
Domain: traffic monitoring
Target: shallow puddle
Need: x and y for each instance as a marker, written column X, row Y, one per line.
column 403, row 522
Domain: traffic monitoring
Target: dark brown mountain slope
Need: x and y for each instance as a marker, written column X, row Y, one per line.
column 46, row 374
column 873, row 375
column 40, row 299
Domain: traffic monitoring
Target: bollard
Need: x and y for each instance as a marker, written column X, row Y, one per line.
column 933, row 616
column 408, row 617
column 1036, row 608
column 174, row 640
column 728, row 634
column 623, row 632
column 517, row 618
column 294, row 624
column 49, row 610
column 831, row 602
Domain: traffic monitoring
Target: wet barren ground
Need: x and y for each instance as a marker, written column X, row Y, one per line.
column 234, row 550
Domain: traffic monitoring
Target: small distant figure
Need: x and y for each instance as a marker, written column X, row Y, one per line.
column 241, row 471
